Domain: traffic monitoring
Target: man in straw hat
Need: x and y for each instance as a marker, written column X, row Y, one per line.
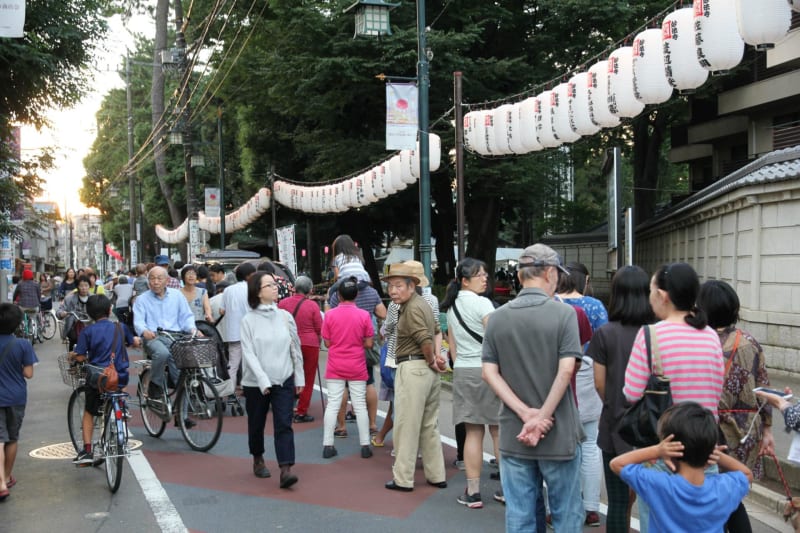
column 530, row 350
column 416, row 383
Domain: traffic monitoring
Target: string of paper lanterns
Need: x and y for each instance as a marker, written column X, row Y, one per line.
column 692, row 42
column 384, row 179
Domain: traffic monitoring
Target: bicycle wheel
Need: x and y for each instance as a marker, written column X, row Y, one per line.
column 30, row 329
column 75, row 409
column 199, row 410
column 153, row 422
column 48, row 326
column 112, row 451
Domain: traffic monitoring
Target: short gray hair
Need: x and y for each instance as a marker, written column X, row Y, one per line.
column 303, row 285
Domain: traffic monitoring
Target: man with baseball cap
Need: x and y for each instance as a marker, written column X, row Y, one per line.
column 530, row 350
column 416, row 385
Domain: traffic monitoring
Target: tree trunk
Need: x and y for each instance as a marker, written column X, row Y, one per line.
column 648, row 135
column 442, row 224
column 159, row 125
column 484, row 225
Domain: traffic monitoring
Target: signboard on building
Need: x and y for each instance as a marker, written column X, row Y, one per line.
column 212, row 202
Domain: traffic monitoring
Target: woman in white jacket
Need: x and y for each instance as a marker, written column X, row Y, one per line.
column 272, row 374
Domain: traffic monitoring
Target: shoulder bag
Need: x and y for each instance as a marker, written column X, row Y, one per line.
column 639, row 425
column 105, row 379
column 463, row 325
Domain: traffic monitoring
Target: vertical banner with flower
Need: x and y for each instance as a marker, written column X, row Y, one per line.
column 401, row 116
column 12, row 18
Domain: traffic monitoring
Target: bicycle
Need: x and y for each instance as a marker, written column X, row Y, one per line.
column 110, row 425
column 47, row 323
column 197, row 407
column 28, row 329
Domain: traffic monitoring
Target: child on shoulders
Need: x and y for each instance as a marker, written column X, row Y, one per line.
column 97, row 342
column 691, row 500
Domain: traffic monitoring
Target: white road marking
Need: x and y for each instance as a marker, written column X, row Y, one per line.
column 167, row 517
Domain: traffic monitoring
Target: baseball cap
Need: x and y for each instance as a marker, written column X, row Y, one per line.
column 539, row 255
column 161, row 260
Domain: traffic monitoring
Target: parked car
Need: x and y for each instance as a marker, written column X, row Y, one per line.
column 230, row 259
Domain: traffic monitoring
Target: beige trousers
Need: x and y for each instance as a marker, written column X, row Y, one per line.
column 416, row 423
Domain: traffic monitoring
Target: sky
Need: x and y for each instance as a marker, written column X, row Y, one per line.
column 73, row 130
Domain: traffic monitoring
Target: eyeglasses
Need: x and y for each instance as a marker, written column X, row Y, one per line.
column 481, row 275
column 269, row 285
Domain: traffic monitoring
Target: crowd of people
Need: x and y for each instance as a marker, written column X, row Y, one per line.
column 550, row 374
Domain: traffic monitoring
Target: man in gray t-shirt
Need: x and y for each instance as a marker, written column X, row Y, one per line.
column 530, row 351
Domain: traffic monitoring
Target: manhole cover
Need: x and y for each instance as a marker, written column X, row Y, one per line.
column 65, row 450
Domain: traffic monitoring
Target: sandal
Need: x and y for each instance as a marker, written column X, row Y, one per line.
column 11, row 482
column 373, row 431
column 376, row 443
column 340, row 433
column 3, row 495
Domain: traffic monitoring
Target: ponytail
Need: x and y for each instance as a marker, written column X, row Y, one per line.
column 450, row 295
column 696, row 318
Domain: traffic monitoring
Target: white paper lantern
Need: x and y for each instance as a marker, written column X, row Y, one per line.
column 396, row 167
column 370, row 179
column 384, row 181
column 578, row 100
column 484, row 132
column 502, row 129
column 560, row 109
column 434, row 152
column 527, row 126
column 598, row 96
column 650, row 85
column 680, row 55
column 405, row 166
column 621, row 100
column 264, row 196
column 515, row 131
column 360, row 185
column 471, row 131
column 544, row 118
column 716, row 36
column 763, row 23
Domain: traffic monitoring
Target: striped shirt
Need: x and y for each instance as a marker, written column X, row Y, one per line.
column 692, row 359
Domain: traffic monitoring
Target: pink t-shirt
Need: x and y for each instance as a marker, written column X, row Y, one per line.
column 692, row 359
column 345, row 327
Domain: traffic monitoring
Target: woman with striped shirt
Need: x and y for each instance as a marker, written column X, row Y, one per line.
column 689, row 350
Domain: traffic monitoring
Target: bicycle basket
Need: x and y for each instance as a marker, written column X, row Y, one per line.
column 73, row 376
column 198, row 352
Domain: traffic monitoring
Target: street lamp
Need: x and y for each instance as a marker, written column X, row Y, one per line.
column 372, row 17
column 368, row 13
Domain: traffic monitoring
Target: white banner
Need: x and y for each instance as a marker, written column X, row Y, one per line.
column 401, row 116
column 287, row 253
column 12, row 18
column 212, row 202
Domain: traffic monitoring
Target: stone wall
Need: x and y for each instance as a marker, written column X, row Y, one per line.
column 749, row 236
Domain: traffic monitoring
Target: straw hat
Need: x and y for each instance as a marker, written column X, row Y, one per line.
column 402, row 270
column 420, row 272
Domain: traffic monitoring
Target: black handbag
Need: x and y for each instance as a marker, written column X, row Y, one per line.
column 639, row 425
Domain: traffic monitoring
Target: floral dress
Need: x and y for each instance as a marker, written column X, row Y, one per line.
column 738, row 404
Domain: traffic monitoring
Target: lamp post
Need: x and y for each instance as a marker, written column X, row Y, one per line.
column 372, row 18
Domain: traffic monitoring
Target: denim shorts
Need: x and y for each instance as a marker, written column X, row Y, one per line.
column 10, row 422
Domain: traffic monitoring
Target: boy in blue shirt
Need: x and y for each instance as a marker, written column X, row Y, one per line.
column 688, row 500
column 16, row 365
column 97, row 342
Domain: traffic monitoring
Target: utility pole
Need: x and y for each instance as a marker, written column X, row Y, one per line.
column 459, row 163
column 134, row 254
column 221, row 178
column 186, row 130
column 423, row 82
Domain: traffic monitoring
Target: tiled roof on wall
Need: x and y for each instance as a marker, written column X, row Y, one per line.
column 779, row 165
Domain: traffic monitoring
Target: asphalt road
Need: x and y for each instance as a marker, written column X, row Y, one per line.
column 168, row 487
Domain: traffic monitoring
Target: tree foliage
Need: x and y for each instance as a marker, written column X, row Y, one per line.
column 300, row 99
